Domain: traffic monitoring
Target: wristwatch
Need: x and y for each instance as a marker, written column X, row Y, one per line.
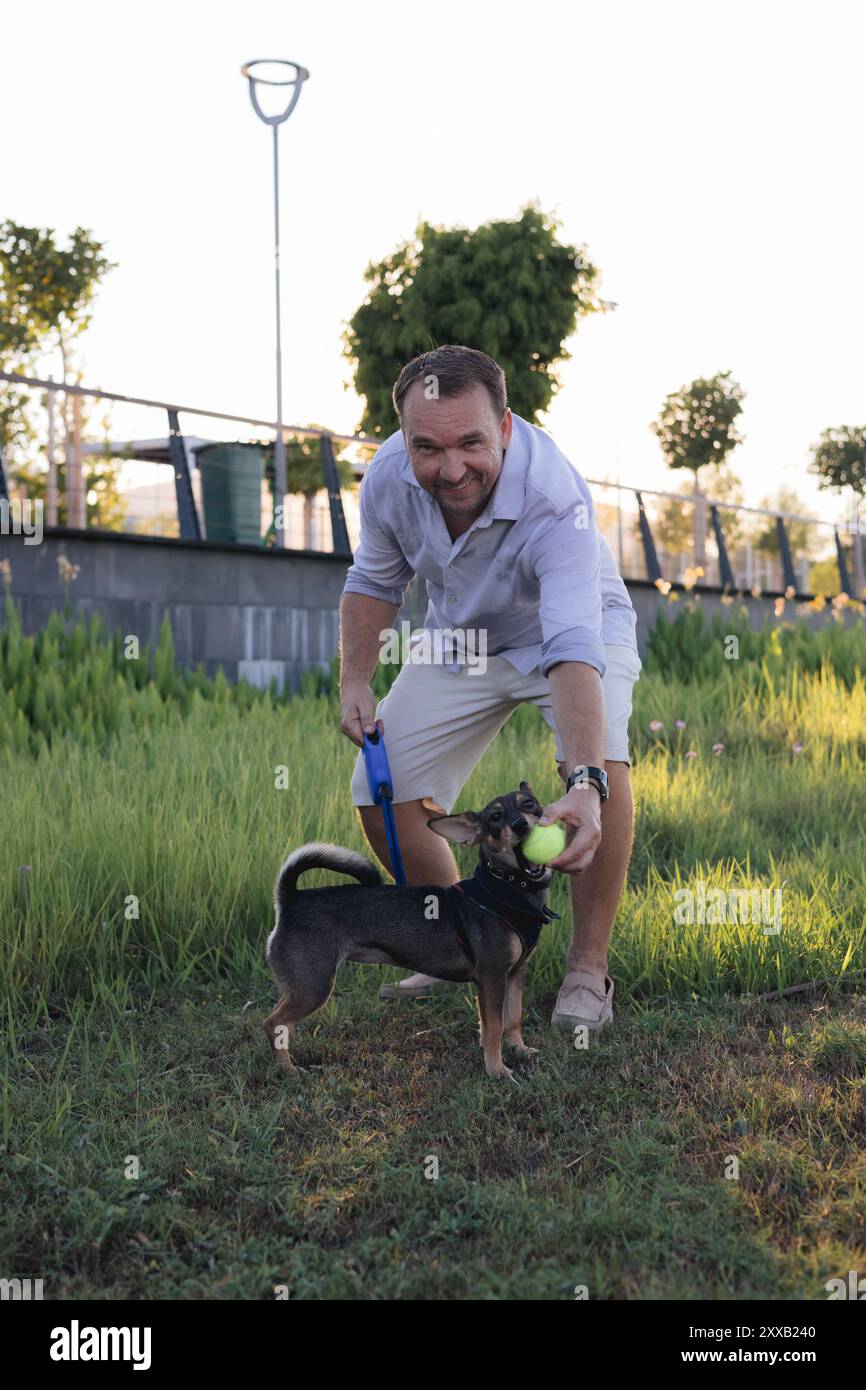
column 593, row 776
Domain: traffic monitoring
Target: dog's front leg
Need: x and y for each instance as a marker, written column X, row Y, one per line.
column 491, row 1003
column 513, row 1011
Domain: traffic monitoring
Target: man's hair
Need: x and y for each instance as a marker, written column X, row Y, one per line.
column 456, row 369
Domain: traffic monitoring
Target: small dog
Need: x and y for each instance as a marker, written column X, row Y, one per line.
column 483, row 928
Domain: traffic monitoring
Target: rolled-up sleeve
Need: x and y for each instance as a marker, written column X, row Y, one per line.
column 380, row 568
column 566, row 561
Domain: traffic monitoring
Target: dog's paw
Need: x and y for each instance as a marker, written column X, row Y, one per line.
column 503, row 1074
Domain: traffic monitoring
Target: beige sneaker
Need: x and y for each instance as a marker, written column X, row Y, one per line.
column 415, row 987
column 581, row 1002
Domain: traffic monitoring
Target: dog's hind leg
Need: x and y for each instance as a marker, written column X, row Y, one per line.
column 513, row 1011
column 491, row 1002
column 279, row 1027
column 298, row 1001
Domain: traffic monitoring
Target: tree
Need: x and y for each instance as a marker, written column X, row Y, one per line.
column 510, row 289
column 696, row 428
column 104, row 505
column 46, row 295
column 839, row 460
column 305, row 478
column 801, row 534
column 46, row 292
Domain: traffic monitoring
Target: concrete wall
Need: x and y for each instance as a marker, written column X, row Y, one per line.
column 257, row 613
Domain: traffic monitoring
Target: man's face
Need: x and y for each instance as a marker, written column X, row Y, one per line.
column 456, row 446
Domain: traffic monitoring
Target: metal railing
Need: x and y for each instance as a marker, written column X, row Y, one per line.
column 654, row 537
column 652, row 533
column 176, row 450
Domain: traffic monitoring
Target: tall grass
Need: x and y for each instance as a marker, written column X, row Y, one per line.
column 156, row 860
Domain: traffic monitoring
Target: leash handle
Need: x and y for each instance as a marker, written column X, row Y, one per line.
column 381, row 790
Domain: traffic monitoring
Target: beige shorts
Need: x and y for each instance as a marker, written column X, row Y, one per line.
column 438, row 723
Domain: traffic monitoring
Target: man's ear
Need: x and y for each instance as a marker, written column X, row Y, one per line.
column 464, row 828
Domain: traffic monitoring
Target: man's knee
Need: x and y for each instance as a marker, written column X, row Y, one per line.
column 408, row 815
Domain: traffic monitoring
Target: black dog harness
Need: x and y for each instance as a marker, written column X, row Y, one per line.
column 492, row 891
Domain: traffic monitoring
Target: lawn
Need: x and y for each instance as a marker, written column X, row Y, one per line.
column 136, row 902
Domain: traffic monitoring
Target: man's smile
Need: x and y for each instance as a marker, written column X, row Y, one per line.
column 459, row 487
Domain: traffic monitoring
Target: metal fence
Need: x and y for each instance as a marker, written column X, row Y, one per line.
column 161, row 490
column 664, row 538
column 669, row 538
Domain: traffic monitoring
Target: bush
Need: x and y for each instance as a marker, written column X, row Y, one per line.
column 693, row 647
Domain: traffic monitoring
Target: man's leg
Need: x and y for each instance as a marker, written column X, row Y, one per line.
column 595, row 893
column 427, row 857
column 586, row 995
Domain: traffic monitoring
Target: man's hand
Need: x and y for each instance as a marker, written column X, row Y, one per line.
column 580, row 809
column 358, row 712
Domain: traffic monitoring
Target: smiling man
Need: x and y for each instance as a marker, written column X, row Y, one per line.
column 486, row 508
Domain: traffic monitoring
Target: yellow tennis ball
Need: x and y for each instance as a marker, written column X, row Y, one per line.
column 543, row 843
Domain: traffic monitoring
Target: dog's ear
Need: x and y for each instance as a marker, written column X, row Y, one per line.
column 464, row 828
column 525, row 787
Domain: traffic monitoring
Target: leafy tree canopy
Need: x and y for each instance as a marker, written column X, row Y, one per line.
column 304, row 464
column 45, row 291
column 510, row 289
column 696, row 425
column 839, row 458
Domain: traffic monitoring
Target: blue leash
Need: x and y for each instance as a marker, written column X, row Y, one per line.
column 381, row 790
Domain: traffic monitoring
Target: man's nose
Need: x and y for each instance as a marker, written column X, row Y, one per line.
column 453, row 469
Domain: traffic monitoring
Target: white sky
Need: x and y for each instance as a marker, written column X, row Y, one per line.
column 709, row 155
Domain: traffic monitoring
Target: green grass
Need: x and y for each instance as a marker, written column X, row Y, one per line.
column 604, row 1168
column 141, row 1034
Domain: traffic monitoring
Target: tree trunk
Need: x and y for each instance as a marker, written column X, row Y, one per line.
column 857, row 550
column 67, row 434
column 51, row 485
column 700, row 525
column 309, row 498
column 75, row 505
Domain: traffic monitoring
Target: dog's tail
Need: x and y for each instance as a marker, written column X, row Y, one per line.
column 321, row 856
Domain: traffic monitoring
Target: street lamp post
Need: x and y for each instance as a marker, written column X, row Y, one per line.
column 296, row 76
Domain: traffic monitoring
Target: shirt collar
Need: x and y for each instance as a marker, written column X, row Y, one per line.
column 510, row 492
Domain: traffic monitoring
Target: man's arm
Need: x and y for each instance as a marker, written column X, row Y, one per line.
column 371, row 599
column 362, row 618
column 566, row 560
column 578, row 706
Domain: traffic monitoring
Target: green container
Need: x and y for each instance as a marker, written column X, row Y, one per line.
column 231, row 489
